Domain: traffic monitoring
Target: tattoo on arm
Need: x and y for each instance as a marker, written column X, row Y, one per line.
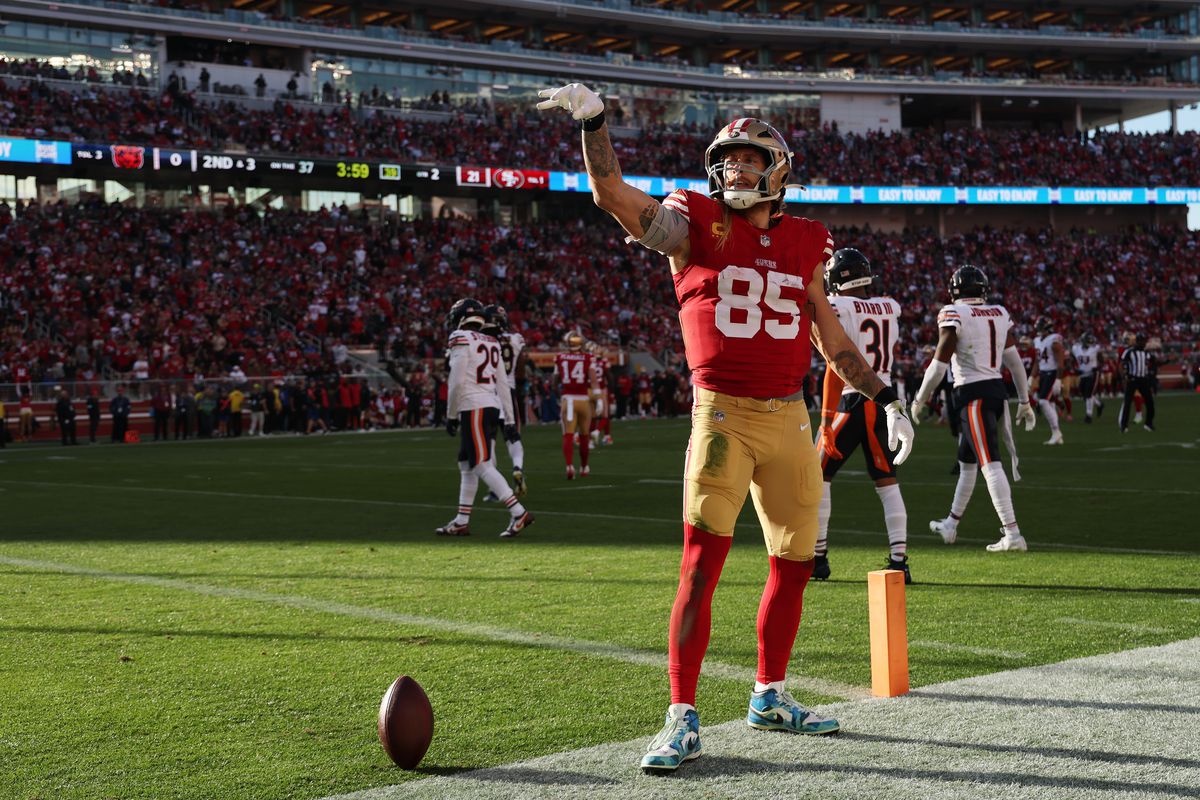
column 598, row 154
column 850, row 365
column 647, row 215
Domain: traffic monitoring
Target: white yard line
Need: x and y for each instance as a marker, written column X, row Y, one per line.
column 628, row 655
column 550, row 513
column 1121, row 725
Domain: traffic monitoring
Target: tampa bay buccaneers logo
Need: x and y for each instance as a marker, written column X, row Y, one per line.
column 128, row 156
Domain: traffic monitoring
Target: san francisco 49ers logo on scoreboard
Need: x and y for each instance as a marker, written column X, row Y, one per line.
column 508, row 178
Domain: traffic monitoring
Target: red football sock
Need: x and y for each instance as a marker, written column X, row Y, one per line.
column 691, row 616
column 1067, row 400
column 1137, row 403
column 605, row 428
column 569, row 448
column 779, row 616
column 584, row 441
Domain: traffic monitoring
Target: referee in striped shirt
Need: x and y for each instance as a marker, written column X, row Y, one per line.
column 1140, row 369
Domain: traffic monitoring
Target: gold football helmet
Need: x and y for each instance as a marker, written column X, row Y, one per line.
column 772, row 182
column 574, row 341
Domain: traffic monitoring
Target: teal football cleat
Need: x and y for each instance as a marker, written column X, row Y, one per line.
column 778, row 711
column 677, row 742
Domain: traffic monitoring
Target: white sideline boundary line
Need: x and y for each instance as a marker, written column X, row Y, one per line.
column 1119, row 725
column 950, row 647
column 550, row 513
column 712, row 669
column 1116, row 626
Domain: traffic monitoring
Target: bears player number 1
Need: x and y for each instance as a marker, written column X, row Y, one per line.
column 731, row 299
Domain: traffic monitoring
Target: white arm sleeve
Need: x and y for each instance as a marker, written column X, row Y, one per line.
column 503, row 389
column 933, row 378
column 665, row 232
column 1012, row 360
column 458, row 362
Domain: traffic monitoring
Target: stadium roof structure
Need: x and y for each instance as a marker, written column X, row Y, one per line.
column 934, row 59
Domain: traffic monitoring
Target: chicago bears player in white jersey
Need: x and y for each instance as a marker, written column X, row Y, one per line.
column 748, row 279
column 848, row 419
column 1051, row 358
column 976, row 338
column 477, row 397
column 1087, row 358
column 512, row 357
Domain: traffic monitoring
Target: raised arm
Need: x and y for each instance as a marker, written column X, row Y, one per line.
column 643, row 217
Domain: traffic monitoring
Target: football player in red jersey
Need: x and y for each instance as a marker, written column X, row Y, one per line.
column 575, row 378
column 749, row 283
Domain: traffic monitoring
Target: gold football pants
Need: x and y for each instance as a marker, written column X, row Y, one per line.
column 766, row 447
column 576, row 414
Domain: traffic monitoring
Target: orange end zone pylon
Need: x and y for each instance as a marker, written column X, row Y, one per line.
column 889, row 633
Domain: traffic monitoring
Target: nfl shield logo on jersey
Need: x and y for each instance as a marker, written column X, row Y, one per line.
column 764, row 240
column 719, row 416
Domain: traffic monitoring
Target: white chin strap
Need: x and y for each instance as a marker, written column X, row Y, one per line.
column 742, row 199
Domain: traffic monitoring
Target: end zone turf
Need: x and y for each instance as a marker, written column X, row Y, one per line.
column 1118, row 725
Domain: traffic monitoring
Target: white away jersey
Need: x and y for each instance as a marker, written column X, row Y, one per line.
column 1045, row 350
column 873, row 324
column 477, row 378
column 511, row 345
column 982, row 331
column 1087, row 358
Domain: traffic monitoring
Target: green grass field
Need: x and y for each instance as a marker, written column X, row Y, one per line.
column 220, row 619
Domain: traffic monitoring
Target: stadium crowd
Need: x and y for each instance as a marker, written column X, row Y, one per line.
column 92, row 290
column 509, row 136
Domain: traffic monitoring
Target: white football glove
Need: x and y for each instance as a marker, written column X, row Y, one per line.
column 914, row 412
column 581, row 101
column 900, row 431
column 1025, row 414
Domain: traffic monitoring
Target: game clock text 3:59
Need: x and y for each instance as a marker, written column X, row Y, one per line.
column 352, row 169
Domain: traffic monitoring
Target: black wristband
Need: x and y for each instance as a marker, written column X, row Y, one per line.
column 886, row 396
column 594, row 123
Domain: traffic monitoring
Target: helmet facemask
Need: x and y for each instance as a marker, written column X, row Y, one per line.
column 769, row 184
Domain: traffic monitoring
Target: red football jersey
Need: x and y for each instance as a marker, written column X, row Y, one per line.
column 600, row 365
column 745, row 332
column 575, row 372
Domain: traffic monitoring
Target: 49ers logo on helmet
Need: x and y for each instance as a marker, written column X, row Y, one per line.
column 508, row 178
column 128, row 156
